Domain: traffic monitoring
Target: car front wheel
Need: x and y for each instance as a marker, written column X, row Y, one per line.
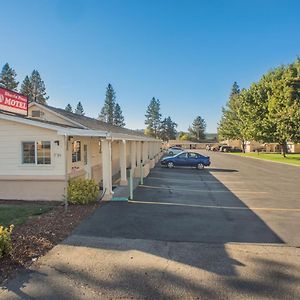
column 171, row 153
column 170, row 165
column 200, row 166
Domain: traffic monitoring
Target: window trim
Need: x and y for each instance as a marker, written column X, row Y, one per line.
column 35, row 153
column 80, row 151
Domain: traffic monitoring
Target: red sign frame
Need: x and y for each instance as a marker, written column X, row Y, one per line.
column 13, row 102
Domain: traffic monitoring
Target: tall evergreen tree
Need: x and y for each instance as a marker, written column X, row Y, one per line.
column 69, row 108
column 38, row 88
column 107, row 111
column 8, row 78
column 197, row 130
column 167, row 130
column 118, row 116
column 79, row 109
column 153, row 118
column 26, row 88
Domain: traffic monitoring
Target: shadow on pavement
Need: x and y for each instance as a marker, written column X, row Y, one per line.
column 167, row 223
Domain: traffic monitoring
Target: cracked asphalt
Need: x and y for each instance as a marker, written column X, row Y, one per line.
column 228, row 232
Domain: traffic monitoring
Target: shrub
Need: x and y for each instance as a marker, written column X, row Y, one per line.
column 82, row 191
column 5, row 240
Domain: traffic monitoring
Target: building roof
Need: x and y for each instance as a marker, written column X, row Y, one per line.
column 92, row 123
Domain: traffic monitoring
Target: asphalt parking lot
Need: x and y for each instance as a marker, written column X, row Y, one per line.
column 234, row 200
column 227, row 232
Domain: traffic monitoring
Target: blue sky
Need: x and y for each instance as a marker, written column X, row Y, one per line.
column 185, row 53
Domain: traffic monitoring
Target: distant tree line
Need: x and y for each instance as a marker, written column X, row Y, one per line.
column 34, row 88
column 111, row 111
column 268, row 111
column 165, row 128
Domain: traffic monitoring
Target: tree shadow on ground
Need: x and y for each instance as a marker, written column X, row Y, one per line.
column 269, row 279
column 190, row 226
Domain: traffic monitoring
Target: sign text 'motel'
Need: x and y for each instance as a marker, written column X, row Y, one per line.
column 13, row 102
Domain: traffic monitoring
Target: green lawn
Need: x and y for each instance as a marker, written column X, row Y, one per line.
column 17, row 214
column 293, row 159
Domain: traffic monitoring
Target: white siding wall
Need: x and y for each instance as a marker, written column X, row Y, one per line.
column 49, row 116
column 12, row 134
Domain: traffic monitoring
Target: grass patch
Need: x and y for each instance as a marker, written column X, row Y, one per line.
column 293, row 159
column 18, row 214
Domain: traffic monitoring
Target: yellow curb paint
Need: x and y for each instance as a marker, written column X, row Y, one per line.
column 216, row 207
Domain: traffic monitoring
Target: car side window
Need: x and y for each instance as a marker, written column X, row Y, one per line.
column 192, row 155
column 183, row 155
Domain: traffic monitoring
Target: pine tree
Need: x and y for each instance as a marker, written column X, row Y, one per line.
column 197, row 130
column 153, row 118
column 79, row 109
column 26, row 88
column 167, row 130
column 8, row 78
column 38, row 88
column 69, row 108
column 107, row 111
column 118, row 116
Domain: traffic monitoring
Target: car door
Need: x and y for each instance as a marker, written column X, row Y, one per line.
column 181, row 159
column 192, row 159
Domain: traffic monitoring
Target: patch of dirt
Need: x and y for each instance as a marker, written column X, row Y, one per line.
column 40, row 234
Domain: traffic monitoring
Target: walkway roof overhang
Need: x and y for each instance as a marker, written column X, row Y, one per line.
column 72, row 131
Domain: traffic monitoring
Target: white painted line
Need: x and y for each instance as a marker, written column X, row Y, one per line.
column 200, row 191
column 217, row 207
column 192, row 180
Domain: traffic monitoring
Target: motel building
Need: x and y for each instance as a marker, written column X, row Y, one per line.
column 42, row 147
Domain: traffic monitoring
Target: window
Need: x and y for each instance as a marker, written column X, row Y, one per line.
column 36, row 153
column 28, row 150
column 76, row 151
column 183, row 155
column 193, row 155
column 43, row 153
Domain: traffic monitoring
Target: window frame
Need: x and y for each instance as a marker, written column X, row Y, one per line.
column 80, row 152
column 36, row 153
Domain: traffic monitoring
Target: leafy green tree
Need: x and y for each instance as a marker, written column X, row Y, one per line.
column 283, row 116
column 8, row 78
column 233, row 124
column 167, row 130
column 79, row 109
column 269, row 111
column 184, row 136
column 118, row 116
column 26, row 88
column 69, row 108
column 39, row 94
column 153, row 118
column 107, row 111
column 197, row 130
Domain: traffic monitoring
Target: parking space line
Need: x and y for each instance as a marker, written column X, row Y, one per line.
column 217, row 207
column 198, row 191
column 192, row 180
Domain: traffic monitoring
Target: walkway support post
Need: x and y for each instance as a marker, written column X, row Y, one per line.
column 142, row 173
column 131, row 184
column 106, row 169
column 122, row 145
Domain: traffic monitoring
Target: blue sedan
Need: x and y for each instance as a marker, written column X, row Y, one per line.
column 186, row 159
